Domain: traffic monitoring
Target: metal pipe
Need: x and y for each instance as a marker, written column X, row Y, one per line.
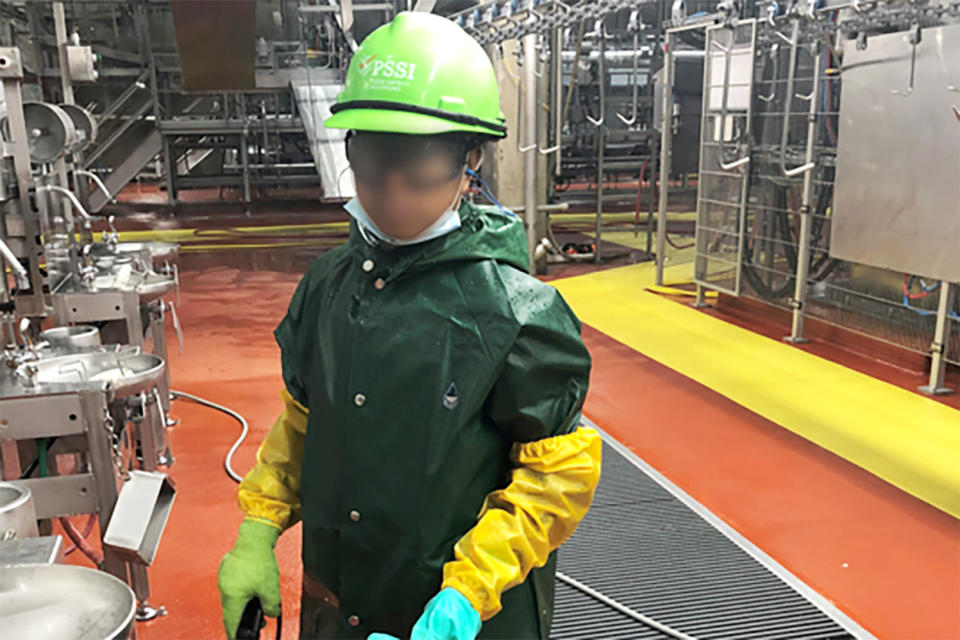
column 601, row 139
column 788, row 106
column 627, row 611
column 721, row 143
column 245, row 161
column 60, row 28
column 279, row 165
column 560, row 206
column 666, row 152
column 19, row 273
column 803, row 251
column 558, row 99
column 264, row 151
column 529, row 119
column 636, row 81
column 96, row 179
column 73, row 199
column 615, row 58
column 121, row 100
column 522, row 89
column 60, row 172
column 941, row 338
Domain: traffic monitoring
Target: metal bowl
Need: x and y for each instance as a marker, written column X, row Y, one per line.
column 110, row 261
column 126, row 373
column 155, row 285
column 149, row 285
column 64, row 602
column 81, row 335
column 159, row 251
column 18, row 517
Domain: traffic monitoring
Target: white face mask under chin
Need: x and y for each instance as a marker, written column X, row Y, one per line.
column 448, row 221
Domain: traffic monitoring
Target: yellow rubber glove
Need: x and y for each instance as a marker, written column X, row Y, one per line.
column 551, row 488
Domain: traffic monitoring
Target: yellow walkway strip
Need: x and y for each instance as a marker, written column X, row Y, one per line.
column 188, row 235
column 909, row 440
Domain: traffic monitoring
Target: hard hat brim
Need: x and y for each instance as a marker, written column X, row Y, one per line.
column 392, row 121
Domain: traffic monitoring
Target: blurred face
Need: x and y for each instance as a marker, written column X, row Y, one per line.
column 406, row 182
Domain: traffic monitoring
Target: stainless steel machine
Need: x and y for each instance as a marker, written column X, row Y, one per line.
column 84, row 387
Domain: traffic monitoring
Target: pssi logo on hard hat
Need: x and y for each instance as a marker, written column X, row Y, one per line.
column 388, row 68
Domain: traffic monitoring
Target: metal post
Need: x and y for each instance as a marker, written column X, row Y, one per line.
column 157, row 330
column 557, row 49
column 666, row 151
column 60, row 26
column 941, row 337
column 803, row 251
column 148, row 60
column 170, row 167
column 701, row 300
column 601, row 138
column 60, row 166
column 146, row 435
column 33, row 18
column 529, row 116
column 245, row 165
column 104, row 470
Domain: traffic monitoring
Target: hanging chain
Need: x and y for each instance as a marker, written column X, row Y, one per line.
column 109, row 424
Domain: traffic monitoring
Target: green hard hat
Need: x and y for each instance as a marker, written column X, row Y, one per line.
column 421, row 74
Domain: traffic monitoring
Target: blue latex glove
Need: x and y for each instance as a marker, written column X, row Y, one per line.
column 448, row 616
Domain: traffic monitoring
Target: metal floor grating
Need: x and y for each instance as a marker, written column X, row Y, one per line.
column 645, row 548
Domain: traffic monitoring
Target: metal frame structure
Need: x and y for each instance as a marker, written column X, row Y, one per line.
column 799, row 162
column 726, row 170
column 100, row 429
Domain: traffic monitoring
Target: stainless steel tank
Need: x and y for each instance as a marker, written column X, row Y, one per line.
column 18, row 516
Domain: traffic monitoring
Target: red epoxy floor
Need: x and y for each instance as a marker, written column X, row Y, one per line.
column 890, row 561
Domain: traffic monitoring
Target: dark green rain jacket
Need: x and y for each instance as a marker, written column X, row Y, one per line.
column 420, row 366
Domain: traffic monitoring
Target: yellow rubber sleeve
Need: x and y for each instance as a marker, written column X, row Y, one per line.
column 550, row 491
column 269, row 493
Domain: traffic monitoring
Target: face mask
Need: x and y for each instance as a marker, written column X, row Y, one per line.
column 448, row 221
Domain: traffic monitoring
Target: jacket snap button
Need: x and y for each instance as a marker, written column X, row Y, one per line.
column 359, row 399
column 354, row 621
column 355, row 515
column 379, row 283
column 368, row 265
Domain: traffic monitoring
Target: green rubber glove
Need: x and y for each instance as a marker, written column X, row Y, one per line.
column 249, row 570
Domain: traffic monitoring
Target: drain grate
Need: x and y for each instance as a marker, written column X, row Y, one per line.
column 643, row 547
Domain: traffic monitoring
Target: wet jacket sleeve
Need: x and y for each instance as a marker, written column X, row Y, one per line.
column 269, row 493
column 556, row 464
